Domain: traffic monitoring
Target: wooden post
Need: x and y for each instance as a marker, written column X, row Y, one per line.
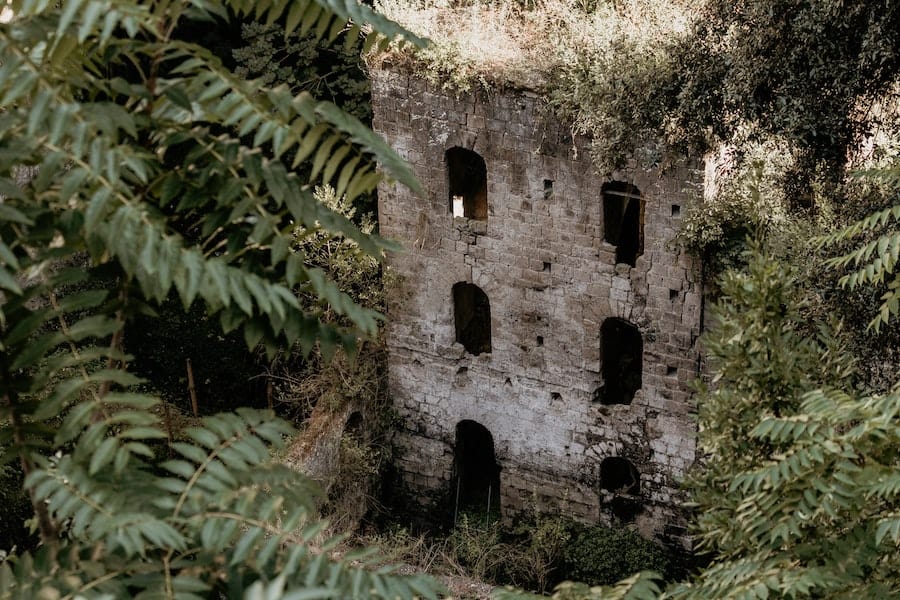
column 168, row 419
column 192, row 389
column 456, row 506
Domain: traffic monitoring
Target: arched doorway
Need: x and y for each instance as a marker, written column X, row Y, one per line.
column 476, row 474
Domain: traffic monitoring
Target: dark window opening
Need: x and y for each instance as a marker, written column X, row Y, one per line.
column 676, row 210
column 472, row 313
column 476, row 474
column 554, row 396
column 548, row 188
column 547, row 267
column 462, row 376
column 354, row 426
column 625, row 508
column 619, row 476
column 540, row 340
column 670, row 370
column 508, row 381
column 623, row 220
column 467, row 178
column 621, row 352
column 673, row 295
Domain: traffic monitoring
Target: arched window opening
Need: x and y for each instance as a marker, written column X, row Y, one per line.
column 476, row 474
column 618, row 475
column 621, row 352
column 354, row 426
column 623, row 220
column 472, row 313
column 467, row 178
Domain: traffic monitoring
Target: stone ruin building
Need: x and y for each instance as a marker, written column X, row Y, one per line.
column 543, row 326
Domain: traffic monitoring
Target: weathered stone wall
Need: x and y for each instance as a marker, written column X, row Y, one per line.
column 549, row 274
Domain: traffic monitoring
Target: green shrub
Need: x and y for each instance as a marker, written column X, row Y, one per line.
column 477, row 546
column 746, row 198
column 600, row 555
column 540, row 551
column 537, row 546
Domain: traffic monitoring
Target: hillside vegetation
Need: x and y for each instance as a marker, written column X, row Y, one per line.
column 141, row 175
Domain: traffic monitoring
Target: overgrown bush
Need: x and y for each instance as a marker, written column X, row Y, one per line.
column 478, row 547
column 540, row 551
column 539, row 545
column 601, row 555
column 797, row 496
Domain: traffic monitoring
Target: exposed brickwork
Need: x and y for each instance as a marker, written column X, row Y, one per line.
column 547, row 272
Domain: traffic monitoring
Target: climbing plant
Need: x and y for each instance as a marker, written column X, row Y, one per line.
column 124, row 181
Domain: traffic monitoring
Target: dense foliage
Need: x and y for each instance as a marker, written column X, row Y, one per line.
column 121, row 163
column 600, row 555
column 874, row 262
column 825, row 63
column 537, row 552
column 330, row 71
column 799, row 494
column 808, row 73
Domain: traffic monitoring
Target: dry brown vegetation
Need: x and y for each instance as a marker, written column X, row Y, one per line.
column 519, row 44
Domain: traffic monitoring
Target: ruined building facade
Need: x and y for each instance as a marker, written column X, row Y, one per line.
column 542, row 324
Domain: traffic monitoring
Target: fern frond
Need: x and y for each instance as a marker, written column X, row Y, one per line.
column 875, row 262
column 312, row 128
column 327, row 16
column 234, row 449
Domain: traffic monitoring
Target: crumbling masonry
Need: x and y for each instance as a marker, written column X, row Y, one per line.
column 543, row 326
